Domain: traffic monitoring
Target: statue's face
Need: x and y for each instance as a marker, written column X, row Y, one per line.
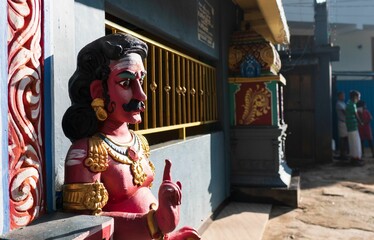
column 125, row 89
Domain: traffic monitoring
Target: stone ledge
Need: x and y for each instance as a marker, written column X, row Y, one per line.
column 284, row 196
column 60, row 226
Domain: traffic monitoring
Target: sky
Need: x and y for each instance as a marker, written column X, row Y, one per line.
column 358, row 12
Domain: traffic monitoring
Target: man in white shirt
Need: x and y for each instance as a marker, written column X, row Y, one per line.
column 342, row 127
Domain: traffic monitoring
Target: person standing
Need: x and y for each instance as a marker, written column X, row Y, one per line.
column 342, row 127
column 365, row 129
column 352, row 120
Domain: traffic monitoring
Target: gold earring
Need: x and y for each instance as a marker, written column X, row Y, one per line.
column 98, row 106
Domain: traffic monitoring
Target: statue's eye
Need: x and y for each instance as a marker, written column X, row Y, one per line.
column 125, row 83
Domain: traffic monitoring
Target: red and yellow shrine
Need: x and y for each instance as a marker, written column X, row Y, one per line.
column 258, row 131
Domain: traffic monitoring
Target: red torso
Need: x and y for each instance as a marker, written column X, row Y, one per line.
column 124, row 196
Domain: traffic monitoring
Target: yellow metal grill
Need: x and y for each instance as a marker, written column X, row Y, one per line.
column 181, row 90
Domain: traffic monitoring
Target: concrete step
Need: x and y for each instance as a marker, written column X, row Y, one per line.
column 239, row 221
column 65, row 226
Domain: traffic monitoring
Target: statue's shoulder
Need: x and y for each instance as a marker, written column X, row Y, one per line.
column 89, row 151
column 79, row 144
column 77, row 152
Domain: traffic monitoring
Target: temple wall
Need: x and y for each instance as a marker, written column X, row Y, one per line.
column 199, row 164
column 73, row 25
column 175, row 20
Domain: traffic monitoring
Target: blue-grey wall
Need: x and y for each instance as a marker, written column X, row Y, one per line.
column 4, row 197
column 199, row 164
column 48, row 113
column 230, row 18
column 176, row 20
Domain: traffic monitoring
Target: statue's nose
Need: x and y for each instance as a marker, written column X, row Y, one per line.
column 138, row 91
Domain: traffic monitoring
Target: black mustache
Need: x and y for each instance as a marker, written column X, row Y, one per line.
column 133, row 105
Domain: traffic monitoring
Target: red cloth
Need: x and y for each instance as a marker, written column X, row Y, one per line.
column 365, row 130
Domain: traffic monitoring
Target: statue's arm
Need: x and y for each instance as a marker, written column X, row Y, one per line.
column 75, row 169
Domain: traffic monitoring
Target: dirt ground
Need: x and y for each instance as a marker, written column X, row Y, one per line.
column 336, row 202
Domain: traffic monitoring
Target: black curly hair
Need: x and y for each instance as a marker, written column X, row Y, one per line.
column 93, row 61
column 353, row 94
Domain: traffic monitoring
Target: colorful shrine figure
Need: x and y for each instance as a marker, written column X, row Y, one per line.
column 107, row 169
column 250, row 67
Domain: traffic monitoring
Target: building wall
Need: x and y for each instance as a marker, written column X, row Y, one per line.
column 358, row 13
column 199, row 164
column 175, row 20
column 351, row 26
column 355, row 52
column 74, row 24
column 230, row 18
column 4, row 198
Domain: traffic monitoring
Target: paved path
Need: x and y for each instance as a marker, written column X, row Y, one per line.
column 239, row 221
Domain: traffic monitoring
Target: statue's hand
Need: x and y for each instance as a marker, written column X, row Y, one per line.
column 185, row 233
column 169, row 200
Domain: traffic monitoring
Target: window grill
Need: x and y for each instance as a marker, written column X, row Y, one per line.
column 181, row 90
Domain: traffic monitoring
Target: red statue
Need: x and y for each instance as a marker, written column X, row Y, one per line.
column 107, row 168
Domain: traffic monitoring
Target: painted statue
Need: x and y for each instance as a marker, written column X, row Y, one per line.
column 107, row 170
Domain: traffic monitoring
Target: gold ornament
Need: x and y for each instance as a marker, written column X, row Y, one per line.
column 98, row 106
column 85, row 196
column 256, row 104
column 97, row 159
column 153, row 228
column 100, row 146
column 145, row 145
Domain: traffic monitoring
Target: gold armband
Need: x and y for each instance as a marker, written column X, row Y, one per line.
column 154, row 231
column 85, row 196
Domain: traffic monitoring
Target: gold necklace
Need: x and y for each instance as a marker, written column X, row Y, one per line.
column 100, row 146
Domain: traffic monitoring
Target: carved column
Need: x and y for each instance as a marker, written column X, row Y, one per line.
column 25, row 111
column 257, row 125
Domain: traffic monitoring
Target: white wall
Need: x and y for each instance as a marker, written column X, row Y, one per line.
column 75, row 24
column 89, row 22
column 63, row 41
column 352, row 57
column 351, row 28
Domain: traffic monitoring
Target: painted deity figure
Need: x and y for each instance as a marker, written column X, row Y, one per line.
column 107, row 169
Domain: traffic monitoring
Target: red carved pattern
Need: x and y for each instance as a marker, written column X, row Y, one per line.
column 253, row 104
column 25, row 111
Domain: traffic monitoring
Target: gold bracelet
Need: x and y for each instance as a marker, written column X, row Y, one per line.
column 152, row 224
column 85, row 196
